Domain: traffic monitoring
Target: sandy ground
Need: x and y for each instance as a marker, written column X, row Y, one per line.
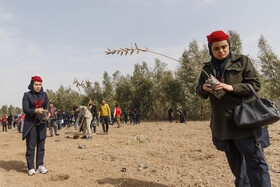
column 175, row 155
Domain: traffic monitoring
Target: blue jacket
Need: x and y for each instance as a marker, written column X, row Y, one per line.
column 30, row 101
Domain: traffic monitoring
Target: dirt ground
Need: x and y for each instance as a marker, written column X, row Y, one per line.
column 156, row 154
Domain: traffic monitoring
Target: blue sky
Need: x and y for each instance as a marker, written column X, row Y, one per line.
column 65, row 39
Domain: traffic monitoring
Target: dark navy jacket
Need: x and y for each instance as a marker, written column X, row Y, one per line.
column 30, row 101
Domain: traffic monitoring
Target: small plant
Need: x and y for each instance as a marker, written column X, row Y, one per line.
column 84, row 84
column 125, row 51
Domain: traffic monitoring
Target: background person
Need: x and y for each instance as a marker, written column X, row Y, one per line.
column 104, row 116
column 68, row 117
column 52, row 120
column 125, row 115
column 59, row 118
column 117, row 115
column 94, row 122
column 10, row 121
column 87, row 122
column 170, row 115
column 20, row 122
column 4, row 122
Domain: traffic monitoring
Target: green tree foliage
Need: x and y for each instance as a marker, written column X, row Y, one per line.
column 108, row 93
column 236, row 44
column 95, row 93
column 188, row 76
column 10, row 110
column 65, row 99
column 270, row 68
column 143, row 96
column 124, row 91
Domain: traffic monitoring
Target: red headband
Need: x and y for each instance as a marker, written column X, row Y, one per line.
column 37, row 78
column 217, row 36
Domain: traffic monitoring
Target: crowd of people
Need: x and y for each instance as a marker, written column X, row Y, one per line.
column 9, row 121
column 92, row 115
column 102, row 114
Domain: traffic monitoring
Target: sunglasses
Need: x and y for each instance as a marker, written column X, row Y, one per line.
column 223, row 47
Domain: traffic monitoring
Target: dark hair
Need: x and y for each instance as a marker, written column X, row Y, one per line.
column 117, row 105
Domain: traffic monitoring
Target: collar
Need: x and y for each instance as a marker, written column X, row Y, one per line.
column 233, row 59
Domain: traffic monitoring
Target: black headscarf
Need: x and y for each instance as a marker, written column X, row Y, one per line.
column 30, row 87
column 219, row 64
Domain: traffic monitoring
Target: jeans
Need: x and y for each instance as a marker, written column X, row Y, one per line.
column 245, row 160
column 59, row 124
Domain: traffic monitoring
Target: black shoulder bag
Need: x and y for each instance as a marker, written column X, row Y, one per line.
column 254, row 114
column 257, row 113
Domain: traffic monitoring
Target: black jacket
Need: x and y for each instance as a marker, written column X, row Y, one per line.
column 239, row 72
column 93, row 110
column 59, row 115
column 29, row 102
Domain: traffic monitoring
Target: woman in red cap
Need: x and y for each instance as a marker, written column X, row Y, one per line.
column 33, row 103
column 234, row 72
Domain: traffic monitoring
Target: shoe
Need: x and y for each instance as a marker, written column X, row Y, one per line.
column 93, row 134
column 42, row 169
column 84, row 137
column 31, row 172
column 89, row 137
column 57, row 134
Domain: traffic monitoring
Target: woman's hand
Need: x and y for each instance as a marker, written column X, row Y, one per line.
column 207, row 87
column 223, row 86
column 39, row 110
column 49, row 115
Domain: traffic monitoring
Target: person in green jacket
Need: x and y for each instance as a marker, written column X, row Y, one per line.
column 234, row 73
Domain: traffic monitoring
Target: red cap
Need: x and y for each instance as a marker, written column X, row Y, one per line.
column 37, row 78
column 217, row 36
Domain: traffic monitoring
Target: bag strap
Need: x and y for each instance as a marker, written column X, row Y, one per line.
column 259, row 145
column 254, row 92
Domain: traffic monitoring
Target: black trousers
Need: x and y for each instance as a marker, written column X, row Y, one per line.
column 105, row 121
column 33, row 140
column 182, row 119
column 125, row 118
column 93, row 126
column 170, row 118
column 4, row 125
column 9, row 125
column 52, row 125
column 245, row 160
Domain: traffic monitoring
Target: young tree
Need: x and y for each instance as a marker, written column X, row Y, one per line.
column 124, row 91
column 108, row 92
column 143, row 96
column 188, row 76
column 270, row 68
column 236, row 44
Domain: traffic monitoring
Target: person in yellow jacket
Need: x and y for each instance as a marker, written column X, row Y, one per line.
column 104, row 115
